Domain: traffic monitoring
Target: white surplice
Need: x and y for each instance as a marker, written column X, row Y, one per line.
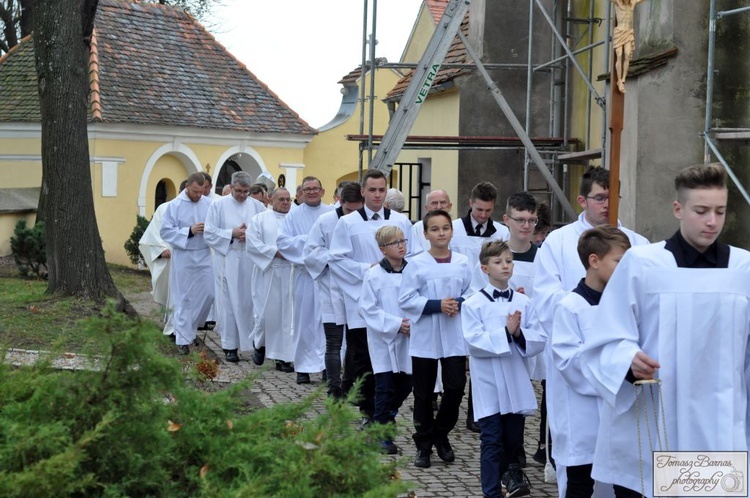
column 272, row 279
column 316, row 257
column 354, row 250
column 471, row 245
column 236, row 310
column 499, row 378
column 559, row 268
column 695, row 323
column 309, row 337
column 378, row 306
column 151, row 247
column 434, row 335
column 191, row 275
column 418, row 241
column 572, row 402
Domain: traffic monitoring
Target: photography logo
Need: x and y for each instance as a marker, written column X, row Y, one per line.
column 700, row 473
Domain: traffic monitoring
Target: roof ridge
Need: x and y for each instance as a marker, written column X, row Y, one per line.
column 16, row 47
column 95, row 94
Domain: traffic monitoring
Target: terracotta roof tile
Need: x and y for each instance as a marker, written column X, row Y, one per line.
column 158, row 66
column 437, row 7
column 457, row 54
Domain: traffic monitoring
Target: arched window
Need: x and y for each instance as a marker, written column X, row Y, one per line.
column 160, row 195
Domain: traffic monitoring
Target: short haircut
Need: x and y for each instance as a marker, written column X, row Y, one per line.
column 600, row 241
column 700, row 176
column 311, row 179
column 280, row 189
column 340, row 186
column 183, row 184
column 544, row 217
column 196, row 178
column 395, row 199
column 242, row 178
column 493, row 249
column 592, row 175
column 373, row 173
column 206, row 177
column 433, row 214
column 256, row 189
column 351, row 192
column 387, row 233
column 484, row 191
column 261, row 185
column 521, row 201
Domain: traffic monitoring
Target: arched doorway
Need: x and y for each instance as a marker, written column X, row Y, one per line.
column 164, row 192
column 225, row 175
column 248, row 161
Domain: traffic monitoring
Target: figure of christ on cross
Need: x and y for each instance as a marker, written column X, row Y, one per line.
column 623, row 39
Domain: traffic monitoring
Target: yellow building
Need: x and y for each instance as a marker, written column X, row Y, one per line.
column 167, row 100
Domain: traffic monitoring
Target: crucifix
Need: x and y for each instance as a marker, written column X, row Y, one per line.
column 623, row 45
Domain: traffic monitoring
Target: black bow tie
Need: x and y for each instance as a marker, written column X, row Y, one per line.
column 504, row 294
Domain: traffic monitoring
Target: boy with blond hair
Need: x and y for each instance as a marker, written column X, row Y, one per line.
column 388, row 328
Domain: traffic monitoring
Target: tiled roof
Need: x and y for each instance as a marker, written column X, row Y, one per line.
column 457, row 54
column 155, row 65
column 437, row 7
column 354, row 75
column 20, row 100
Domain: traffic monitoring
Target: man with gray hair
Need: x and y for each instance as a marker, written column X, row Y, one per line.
column 226, row 223
column 394, row 200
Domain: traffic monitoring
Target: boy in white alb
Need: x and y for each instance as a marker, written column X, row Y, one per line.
column 677, row 310
column 388, row 328
column 433, row 287
column 500, row 329
column 572, row 402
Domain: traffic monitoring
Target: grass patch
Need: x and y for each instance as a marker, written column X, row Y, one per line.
column 29, row 319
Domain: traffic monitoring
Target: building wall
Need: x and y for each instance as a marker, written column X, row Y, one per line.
column 125, row 173
column 330, row 156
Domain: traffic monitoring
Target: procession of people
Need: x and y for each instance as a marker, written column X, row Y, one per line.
column 355, row 291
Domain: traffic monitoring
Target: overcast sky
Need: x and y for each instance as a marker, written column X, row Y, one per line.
column 302, row 48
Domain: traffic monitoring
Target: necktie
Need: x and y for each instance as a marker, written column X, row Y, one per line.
column 478, row 230
column 375, row 217
column 504, row 294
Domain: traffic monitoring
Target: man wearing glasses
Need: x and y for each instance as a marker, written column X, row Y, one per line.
column 558, row 268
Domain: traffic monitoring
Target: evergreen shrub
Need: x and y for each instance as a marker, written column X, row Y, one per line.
column 28, row 247
column 131, row 245
column 137, row 427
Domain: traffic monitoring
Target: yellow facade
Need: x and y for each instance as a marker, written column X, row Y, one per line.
column 126, row 167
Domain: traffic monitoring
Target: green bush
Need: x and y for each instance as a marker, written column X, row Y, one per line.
column 135, row 427
column 28, row 247
column 131, row 245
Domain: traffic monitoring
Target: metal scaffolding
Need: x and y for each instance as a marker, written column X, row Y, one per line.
column 712, row 135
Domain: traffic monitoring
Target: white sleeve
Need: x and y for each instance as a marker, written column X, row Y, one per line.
column 344, row 268
column 566, row 344
column 481, row 342
column 376, row 318
column 171, row 232
column 260, row 252
column 548, row 287
column 316, row 254
column 409, row 298
column 289, row 245
column 216, row 237
column 533, row 333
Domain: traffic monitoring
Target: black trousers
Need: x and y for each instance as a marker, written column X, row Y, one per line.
column 580, row 483
column 357, row 366
column 429, row 428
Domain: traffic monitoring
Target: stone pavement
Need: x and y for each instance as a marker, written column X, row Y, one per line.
column 457, row 479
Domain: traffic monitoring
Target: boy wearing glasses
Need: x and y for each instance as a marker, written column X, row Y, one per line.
column 388, row 329
column 558, row 268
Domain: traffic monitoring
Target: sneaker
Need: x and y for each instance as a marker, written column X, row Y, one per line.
column 388, row 447
column 444, row 450
column 515, row 481
column 303, row 378
column 422, row 460
column 259, row 356
column 231, row 355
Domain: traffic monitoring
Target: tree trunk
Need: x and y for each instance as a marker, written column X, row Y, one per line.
column 75, row 257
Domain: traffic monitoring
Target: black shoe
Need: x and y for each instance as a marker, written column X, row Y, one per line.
column 388, row 447
column 444, row 450
column 335, row 393
column 472, row 426
column 515, row 481
column 259, row 356
column 521, row 458
column 422, row 460
column 210, row 325
column 196, row 342
column 231, row 355
column 284, row 366
column 183, row 349
column 324, row 376
column 540, row 456
column 172, row 337
column 303, row 378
